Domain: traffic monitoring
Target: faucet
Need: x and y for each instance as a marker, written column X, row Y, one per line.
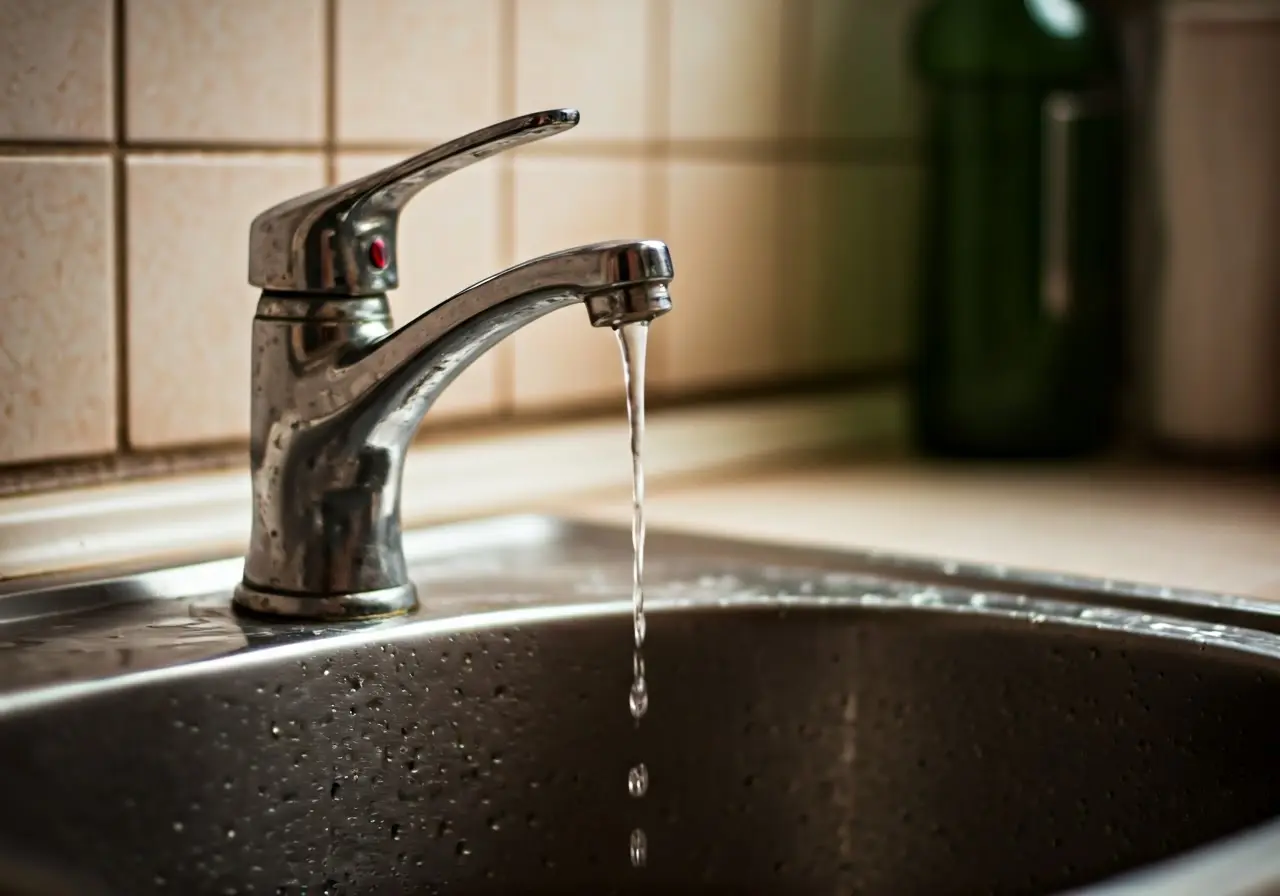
column 338, row 392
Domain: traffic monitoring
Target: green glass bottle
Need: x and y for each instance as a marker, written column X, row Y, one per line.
column 1020, row 305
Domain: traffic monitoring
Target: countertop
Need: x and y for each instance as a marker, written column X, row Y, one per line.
column 1159, row 525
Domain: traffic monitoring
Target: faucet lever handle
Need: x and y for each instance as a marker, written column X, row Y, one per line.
column 341, row 240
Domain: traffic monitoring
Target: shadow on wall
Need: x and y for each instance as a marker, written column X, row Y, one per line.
column 854, row 204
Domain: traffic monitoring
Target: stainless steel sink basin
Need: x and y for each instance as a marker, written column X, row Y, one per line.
column 820, row 723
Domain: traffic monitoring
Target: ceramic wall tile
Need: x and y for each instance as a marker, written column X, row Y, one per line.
column 725, row 72
column 417, row 71
column 561, row 360
column 589, row 54
column 57, row 300
column 190, row 304
column 56, row 70
column 724, row 235
column 225, row 71
column 449, row 238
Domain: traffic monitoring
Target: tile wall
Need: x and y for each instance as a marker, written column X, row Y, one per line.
column 770, row 142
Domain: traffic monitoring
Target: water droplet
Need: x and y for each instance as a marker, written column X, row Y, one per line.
column 639, row 849
column 177, row 827
column 395, row 832
column 639, row 698
column 231, row 833
column 275, row 730
column 638, row 780
column 462, row 849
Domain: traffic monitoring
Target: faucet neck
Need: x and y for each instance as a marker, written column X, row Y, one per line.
column 326, row 526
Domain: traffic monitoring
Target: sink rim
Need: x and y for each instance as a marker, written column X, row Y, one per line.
column 31, row 609
column 210, row 572
column 1243, row 864
column 482, row 616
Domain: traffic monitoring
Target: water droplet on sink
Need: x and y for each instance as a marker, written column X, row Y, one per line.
column 639, row 849
column 275, row 730
column 638, row 780
column 177, row 827
column 639, row 698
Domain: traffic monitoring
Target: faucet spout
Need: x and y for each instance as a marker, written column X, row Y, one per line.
column 339, row 394
column 619, row 282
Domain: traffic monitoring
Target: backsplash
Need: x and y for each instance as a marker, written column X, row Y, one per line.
column 771, row 143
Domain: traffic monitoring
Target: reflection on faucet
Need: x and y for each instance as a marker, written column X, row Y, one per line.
column 338, row 393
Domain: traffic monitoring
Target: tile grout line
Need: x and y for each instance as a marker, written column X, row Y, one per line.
column 120, row 224
column 504, row 360
column 656, row 173
column 791, row 353
column 330, row 62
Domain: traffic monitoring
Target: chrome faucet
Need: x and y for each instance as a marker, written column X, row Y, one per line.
column 338, row 393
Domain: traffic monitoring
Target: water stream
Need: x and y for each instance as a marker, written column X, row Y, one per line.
column 632, row 340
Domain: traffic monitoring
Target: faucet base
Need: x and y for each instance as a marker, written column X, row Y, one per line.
column 394, row 601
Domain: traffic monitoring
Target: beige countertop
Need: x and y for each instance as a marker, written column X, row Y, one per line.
column 1176, row 527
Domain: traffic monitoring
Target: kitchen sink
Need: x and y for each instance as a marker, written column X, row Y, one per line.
column 820, row 722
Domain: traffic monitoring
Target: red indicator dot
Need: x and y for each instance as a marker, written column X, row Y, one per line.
column 378, row 253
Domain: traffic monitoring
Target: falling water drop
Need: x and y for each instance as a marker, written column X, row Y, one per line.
column 639, row 699
column 638, row 780
column 639, row 849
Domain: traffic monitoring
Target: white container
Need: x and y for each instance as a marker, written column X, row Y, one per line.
column 1217, row 118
